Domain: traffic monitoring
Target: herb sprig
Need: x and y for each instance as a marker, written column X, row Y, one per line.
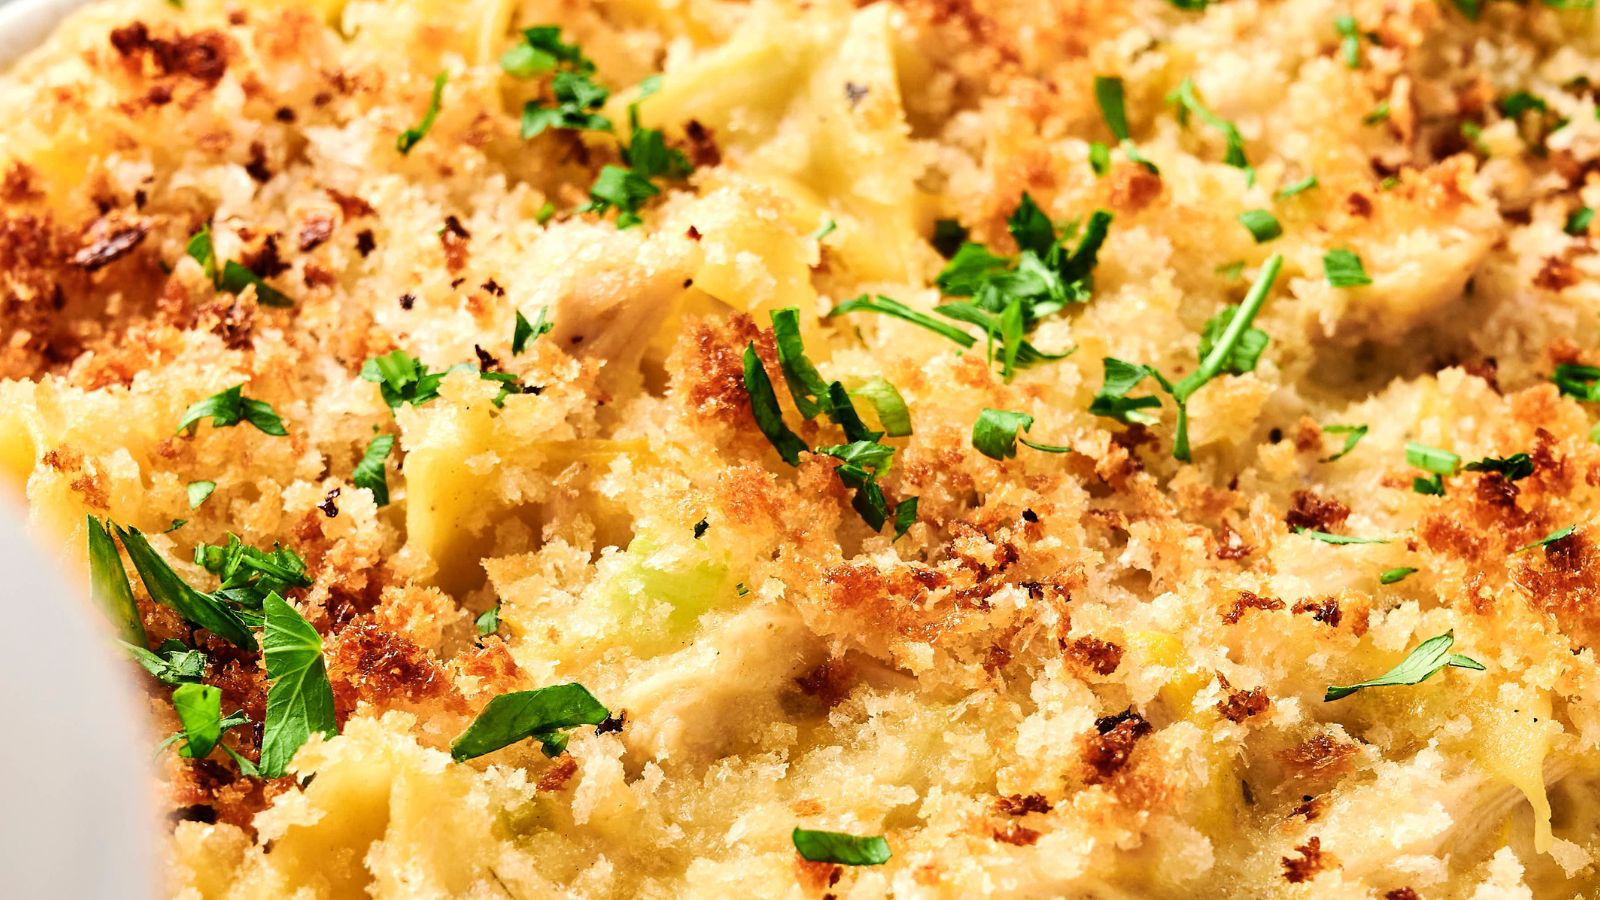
column 1427, row 660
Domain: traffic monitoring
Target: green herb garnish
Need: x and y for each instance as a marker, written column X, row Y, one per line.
column 1578, row 222
column 231, row 407
column 1304, row 184
column 231, row 277
column 371, row 472
column 108, row 584
column 764, row 406
column 199, row 709
column 526, row 331
column 540, row 52
column 545, row 715
column 1343, row 269
column 1262, row 225
column 839, row 848
column 1188, row 102
column 249, row 575
column 1327, row 538
column 1423, row 663
column 488, row 622
column 1548, row 539
column 1515, row 467
column 172, row 663
column 299, row 696
column 576, row 99
column 1352, row 436
column 198, row 491
column 411, row 136
column 1109, row 94
column 204, row 610
column 995, row 434
column 1349, row 40
column 1392, row 576
column 893, row 414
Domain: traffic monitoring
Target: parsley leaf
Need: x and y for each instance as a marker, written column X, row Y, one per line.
column 1109, row 95
column 623, row 189
column 1349, row 40
column 370, row 472
column 1247, row 349
column 198, row 491
column 1353, row 435
column 576, row 98
column 869, row 455
column 411, row 136
column 1343, row 269
column 108, row 583
column 233, row 277
column 1188, row 102
column 1582, row 382
column 1263, row 225
column 526, row 331
column 995, row 434
column 489, row 621
column 1113, row 402
column 1515, row 467
column 806, row 386
column 249, row 575
column 403, row 378
column 891, row 307
column 764, row 405
column 171, row 663
column 839, row 848
column 1393, row 576
column 905, row 515
column 229, row 408
column 165, row 587
column 299, row 696
column 893, row 414
column 540, row 52
column 1423, row 663
column 1327, row 538
column 1578, row 222
column 1379, row 113
column 1548, row 539
column 543, row 714
column 1441, row 462
column 1289, row 190
column 199, row 708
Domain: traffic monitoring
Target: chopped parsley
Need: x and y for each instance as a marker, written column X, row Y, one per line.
column 1515, row 467
column 540, row 52
column 172, row 663
column 108, row 584
column 299, row 696
column 764, row 405
column 232, row 277
column 576, row 99
column 995, row 434
column 1379, row 113
column 891, row 307
column 1548, row 539
column 488, row 622
column 893, row 414
column 249, row 575
column 1343, row 269
column 228, row 409
column 839, row 848
column 905, row 515
column 1099, row 158
column 864, row 458
column 199, row 709
column 1393, row 576
column 826, row 228
column 1109, row 94
column 1188, row 103
column 1431, row 459
column 1581, row 382
column 370, row 472
column 1349, row 40
column 411, row 136
column 1512, row 106
column 1301, row 186
column 207, row 611
column 402, row 378
column 1431, row 656
column 1262, row 225
column 198, row 491
column 1327, row 538
column 545, row 714
column 646, row 156
column 1352, row 436
column 1228, row 344
column 1578, row 222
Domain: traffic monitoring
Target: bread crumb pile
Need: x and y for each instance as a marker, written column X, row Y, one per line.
column 1088, row 674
